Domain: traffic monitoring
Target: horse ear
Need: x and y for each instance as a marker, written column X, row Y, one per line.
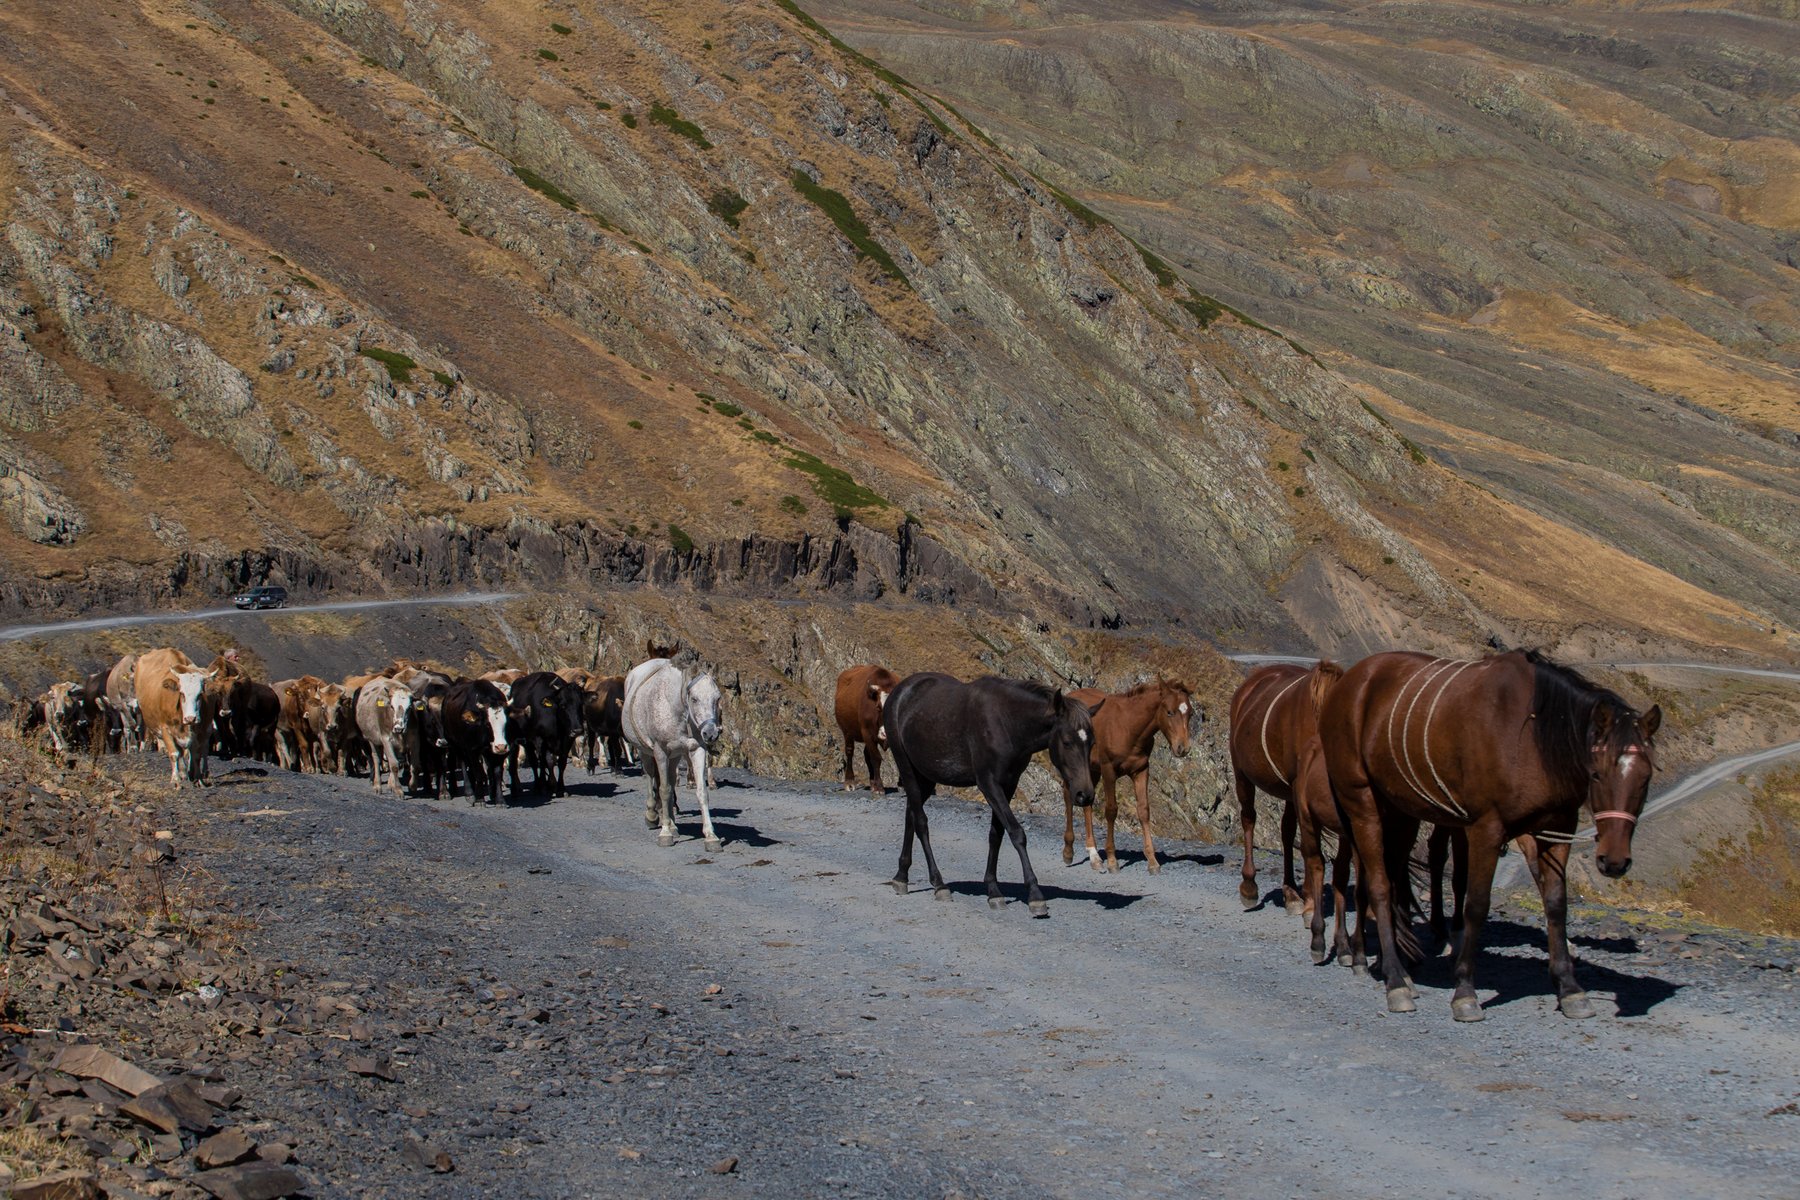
column 1651, row 721
column 1600, row 727
column 1096, row 706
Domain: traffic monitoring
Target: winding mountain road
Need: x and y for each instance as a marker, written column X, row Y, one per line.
column 16, row 633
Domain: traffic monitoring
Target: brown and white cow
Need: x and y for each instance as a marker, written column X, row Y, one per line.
column 383, row 709
column 330, row 721
column 121, row 695
column 862, row 692
column 67, row 718
column 177, row 710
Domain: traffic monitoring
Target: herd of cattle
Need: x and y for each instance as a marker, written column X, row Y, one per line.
column 405, row 727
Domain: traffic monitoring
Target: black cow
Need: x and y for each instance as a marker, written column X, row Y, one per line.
column 424, row 743
column 255, row 710
column 543, row 719
column 474, row 717
column 106, row 727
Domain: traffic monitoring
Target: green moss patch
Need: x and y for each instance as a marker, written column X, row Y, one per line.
column 834, row 485
column 679, row 539
column 671, row 120
column 538, row 183
column 727, row 205
column 837, row 206
column 399, row 366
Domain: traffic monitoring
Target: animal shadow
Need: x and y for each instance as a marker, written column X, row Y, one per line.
column 1520, row 977
column 1135, row 858
column 737, row 834
column 1015, row 893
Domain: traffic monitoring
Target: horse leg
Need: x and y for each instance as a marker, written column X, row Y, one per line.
column 1290, row 895
column 999, row 800
column 1552, row 861
column 898, row 883
column 1312, row 883
column 666, row 769
column 1481, row 847
column 995, row 831
column 1141, row 784
column 1437, row 850
column 849, row 763
column 1340, row 898
column 1068, row 826
column 1111, row 784
column 1246, row 795
column 1363, row 817
column 938, row 890
column 697, row 767
column 872, row 760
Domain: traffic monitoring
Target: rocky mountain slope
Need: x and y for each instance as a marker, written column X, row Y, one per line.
column 1554, row 243
column 376, row 295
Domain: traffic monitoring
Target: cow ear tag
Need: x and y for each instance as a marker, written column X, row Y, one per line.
column 381, row 704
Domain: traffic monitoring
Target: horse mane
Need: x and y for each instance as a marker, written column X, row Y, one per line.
column 1042, row 691
column 1564, row 704
column 1325, row 673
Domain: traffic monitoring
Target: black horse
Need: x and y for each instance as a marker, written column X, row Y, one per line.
column 941, row 730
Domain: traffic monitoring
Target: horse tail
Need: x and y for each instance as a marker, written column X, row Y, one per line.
column 1324, row 674
column 1397, row 853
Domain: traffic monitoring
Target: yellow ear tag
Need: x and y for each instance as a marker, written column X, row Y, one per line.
column 381, row 704
column 547, row 704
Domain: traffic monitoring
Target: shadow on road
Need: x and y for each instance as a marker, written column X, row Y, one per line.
column 1521, row 977
column 1015, row 893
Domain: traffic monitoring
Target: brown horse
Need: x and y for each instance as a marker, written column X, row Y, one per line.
column 1124, row 734
column 1274, row 713
column 1508, row 745
column 1318, row 813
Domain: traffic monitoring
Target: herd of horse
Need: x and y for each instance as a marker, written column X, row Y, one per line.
column 1505, row 749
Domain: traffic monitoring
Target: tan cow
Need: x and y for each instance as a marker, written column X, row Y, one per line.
column 329, row 725
column 383, row 708
column 294, row 747
column 121, row 695
column 178, row 712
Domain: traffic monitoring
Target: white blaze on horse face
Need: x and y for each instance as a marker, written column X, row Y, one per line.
column 1182, row 708
column 1082, row 734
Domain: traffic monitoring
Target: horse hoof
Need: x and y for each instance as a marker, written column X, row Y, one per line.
column 1068, row 858
column 714, row 846
column 1251, row 903
column 943, row 894
column 1345, row 960
column 1467, row 1008
column 665, row 840
column 1095, row 863
column 1155, row 868
column 1400, row 1000
column 1039, row 908
column 1320, row 958
column 1576, row 1006
column 899, row 886
column 1294, row 908
column 1359, row 970
column 996, row 902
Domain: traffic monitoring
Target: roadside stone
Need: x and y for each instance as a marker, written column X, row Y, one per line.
column 224, row 1149
column 372, row 1066
column 275, row 1152
column 415, row 1153
column 58, row 1185
column 91, row 1062
column 172, row 1108
column 725, row 1166
column 252, row 1181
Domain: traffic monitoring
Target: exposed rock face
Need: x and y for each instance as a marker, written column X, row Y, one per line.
column 35, row 508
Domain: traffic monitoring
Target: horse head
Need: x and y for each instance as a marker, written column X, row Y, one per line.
column 1176, row 713
column 1622, row 743
column 700, row 704
column 1071, row 744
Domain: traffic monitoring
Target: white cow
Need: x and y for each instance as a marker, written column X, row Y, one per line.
column 383, row 708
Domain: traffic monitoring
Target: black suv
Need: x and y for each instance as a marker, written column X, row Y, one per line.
column 268, row 596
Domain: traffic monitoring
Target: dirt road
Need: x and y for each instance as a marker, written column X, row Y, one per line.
column 1148, row 1039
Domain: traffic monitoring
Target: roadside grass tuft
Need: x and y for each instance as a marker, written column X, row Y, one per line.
column 678, row 538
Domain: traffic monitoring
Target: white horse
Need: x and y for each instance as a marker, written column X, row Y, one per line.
column 669, row 716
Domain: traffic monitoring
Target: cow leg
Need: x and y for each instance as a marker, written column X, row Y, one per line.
column 1141, row 784
column 168, row 744
column 872, row 760
column 697, row 768
column 1246, row 796
column 1290, row 895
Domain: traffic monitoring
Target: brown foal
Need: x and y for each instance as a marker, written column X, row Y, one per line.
column 1124, row 734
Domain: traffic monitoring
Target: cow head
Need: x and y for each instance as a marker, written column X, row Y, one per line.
column 190, row 691
column 399, row 703
column 700, row 701
column 879, row 695
column 496, row 721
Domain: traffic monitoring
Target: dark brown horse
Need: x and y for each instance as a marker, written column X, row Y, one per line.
column 1124, row 734
column 941, row 730
column 1504, row 746
column 1274, row 713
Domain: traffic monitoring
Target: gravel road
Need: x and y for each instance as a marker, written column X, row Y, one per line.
column 572, row 1011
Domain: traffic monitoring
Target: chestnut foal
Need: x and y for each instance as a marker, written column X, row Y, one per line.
column 1124, row 734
